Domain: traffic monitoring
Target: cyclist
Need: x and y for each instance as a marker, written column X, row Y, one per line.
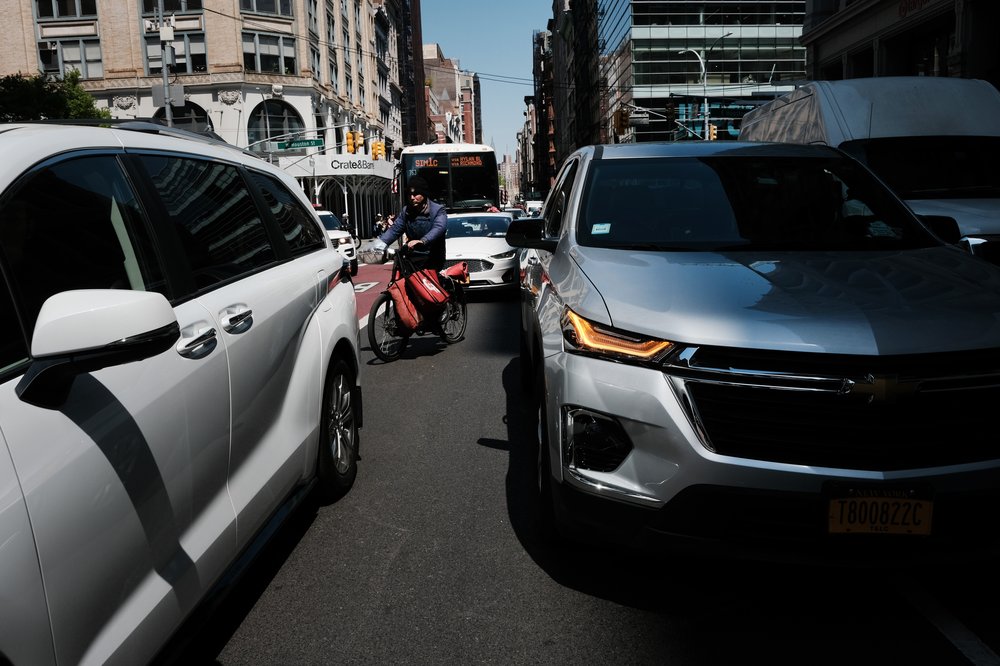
column 424, row 223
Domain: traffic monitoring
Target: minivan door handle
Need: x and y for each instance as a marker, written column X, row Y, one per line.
column 237, row 322
column 198, row 346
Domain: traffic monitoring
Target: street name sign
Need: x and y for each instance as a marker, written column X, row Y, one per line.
column 300, row 143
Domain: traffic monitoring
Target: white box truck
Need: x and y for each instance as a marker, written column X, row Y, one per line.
column 934, row 140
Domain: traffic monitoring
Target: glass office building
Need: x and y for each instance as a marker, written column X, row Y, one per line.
column 672, row 63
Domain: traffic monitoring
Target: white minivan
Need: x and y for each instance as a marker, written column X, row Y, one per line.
column 933, row 140
column 179, row 367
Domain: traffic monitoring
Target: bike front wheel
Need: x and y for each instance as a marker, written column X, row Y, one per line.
column 454, row 318
column 385, row 333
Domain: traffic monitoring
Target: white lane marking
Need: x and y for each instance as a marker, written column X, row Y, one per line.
column 364, row 286
column 974, row 649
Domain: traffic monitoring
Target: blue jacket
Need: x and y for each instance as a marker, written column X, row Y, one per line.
column 430, row 226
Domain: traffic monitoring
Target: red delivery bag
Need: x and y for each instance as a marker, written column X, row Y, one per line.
column 425, row 289
column 406, row 310
column 458, row 272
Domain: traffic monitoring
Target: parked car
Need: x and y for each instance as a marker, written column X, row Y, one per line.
column 179, row 367
column 514, row 212
column 757, row 347
column 340, row 237
column 480, row 240
column 932, row 139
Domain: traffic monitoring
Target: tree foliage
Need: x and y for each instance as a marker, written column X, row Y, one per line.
column 40, row 97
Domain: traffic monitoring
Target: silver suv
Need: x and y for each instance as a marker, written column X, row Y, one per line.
column 178, row 366
column 757, row 345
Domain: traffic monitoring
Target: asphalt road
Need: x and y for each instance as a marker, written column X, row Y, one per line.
column 432, row 558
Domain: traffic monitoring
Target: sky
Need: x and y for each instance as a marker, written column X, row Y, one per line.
column 493, row 39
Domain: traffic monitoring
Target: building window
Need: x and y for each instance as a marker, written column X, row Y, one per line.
column 65, row 8
column 314, row 63
column 331, row 54
column 272, row 54
column 334, row 72
column 311, row 10
column 58, row 57
column 270, row 119
column 188, row 116
column 280, row 7
column 170, row 6
column 189, row 54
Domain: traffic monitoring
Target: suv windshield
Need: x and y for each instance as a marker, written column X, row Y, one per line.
column 933, row 167
column 716, row 203
column 331, row 222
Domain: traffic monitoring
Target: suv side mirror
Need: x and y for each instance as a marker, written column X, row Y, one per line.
column 942, row 226
column 527, row 233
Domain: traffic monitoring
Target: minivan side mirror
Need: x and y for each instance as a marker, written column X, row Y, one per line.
column 84, row 330
column 526, row 232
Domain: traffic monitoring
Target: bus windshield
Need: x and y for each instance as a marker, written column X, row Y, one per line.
column 461, row 177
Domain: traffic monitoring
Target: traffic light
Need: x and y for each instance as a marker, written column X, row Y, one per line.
column 378, row 150
column 374, row 150
column 349, row 142
column 713, row 132
column 359, row 141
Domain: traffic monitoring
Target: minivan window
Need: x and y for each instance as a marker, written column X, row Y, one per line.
column 297, row 225
column 212, row 213
column 75, row 224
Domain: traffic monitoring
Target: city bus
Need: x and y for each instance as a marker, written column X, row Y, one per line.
column 461, row 176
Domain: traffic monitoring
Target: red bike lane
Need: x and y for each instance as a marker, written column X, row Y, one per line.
column 368, row 284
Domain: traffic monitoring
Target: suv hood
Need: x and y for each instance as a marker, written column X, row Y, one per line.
column 931, row 300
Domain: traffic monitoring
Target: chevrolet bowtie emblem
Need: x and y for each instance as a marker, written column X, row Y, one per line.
column 880, row 388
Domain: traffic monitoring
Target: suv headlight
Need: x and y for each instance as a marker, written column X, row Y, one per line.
column 584, row 336
column 505, row 255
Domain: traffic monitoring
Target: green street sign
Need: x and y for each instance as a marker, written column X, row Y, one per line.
column 300, row 143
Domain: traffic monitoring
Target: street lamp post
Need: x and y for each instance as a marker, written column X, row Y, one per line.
column 704, row 91
column 703, row 61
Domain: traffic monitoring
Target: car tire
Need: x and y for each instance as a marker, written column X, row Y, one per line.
column 339, row 436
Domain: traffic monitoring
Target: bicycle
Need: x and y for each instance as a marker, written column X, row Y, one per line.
column 388, row 336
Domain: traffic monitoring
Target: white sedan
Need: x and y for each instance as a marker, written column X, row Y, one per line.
column 481, row 240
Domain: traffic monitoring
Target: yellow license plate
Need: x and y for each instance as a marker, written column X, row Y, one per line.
column 880, row 515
